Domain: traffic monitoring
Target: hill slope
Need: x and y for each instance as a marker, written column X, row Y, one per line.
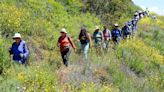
column 136, row 66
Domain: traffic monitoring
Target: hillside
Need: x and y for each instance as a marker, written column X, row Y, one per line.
column 136, row 66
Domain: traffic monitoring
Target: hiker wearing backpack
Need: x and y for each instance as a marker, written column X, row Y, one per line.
column 19, row 49
column 85, row 41
column 107, row 37
column 116, row 35
column 98, row 40
column 134, row 24
column 140, row 14
column 65, row 43
column 126, row 30
column 129, row 24
column 136, row 16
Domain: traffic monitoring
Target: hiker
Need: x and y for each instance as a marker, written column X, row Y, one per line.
column 140, row 14
column 126, row 30
column 116, row 35
column 136, row 16
column 65, row 42
column 85, row 41
column 107, row 37
column 19, row 49
column 98, row 39
column 134, row 23
column 129, row 24
column 147, row 12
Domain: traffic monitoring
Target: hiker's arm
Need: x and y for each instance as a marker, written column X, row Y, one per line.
column 72, row 43
column 110, row 35
column 90, row 40
column 11, row 50
column 102, row 36
column 26, row 54
column 58, row 44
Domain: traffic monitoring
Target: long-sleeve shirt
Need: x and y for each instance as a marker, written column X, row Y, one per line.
column 18, row 49
column 116, row 33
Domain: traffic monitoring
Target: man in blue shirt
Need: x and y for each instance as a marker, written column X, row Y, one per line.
column 116, row 35
column 125, row 30
column 19, row 49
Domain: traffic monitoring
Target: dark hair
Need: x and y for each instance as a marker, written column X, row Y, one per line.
column 81, row 33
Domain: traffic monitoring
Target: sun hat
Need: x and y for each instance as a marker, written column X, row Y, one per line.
column 17, row 35
column 116, row 25
column 63, row 30
column 97, row 27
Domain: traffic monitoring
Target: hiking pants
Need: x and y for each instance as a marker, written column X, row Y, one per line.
column 65, row 56
column 116, row 41
column 106, row 44
column 85, row 48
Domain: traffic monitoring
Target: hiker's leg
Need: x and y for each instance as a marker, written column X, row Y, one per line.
column 86, row 48
column 107, row 44
column 83, row 48
column 63, row 54
column 68, row 51
column 104, row 45
column 118, row 40
column 115, row 43
column 24, row 61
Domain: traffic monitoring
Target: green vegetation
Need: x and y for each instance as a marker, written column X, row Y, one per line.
column 136, row 66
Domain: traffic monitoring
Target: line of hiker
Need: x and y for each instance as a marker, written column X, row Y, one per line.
column 101, row 39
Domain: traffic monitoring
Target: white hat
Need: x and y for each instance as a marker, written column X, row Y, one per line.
column 136, row 13
column 97, row 27
column 63, row 30
column 116, row 25
column 140, row 11
column 17, row 35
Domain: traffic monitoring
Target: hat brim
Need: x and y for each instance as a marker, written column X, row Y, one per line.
column 16, row 37
column 63, row 32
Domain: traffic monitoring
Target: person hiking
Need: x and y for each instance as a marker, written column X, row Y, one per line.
column 64, row 43
column 85, row 41
column 19, row 49
column 129, row 24
column 140, row 14
column 125, row 30
column 116, row 35
column 98, row 39
column 136, row 16
column 107, row 37
column 134, row 23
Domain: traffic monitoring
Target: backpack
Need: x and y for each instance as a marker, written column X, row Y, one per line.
column 125, row 30
column 84, row 39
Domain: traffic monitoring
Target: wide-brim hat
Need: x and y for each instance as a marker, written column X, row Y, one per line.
column 97, row 27
column 63, row 30
column 17, row 35
column 116, row 25
column 136, row 13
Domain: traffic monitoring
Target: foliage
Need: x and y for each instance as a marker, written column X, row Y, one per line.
column 110, row 11
column 136, row 66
